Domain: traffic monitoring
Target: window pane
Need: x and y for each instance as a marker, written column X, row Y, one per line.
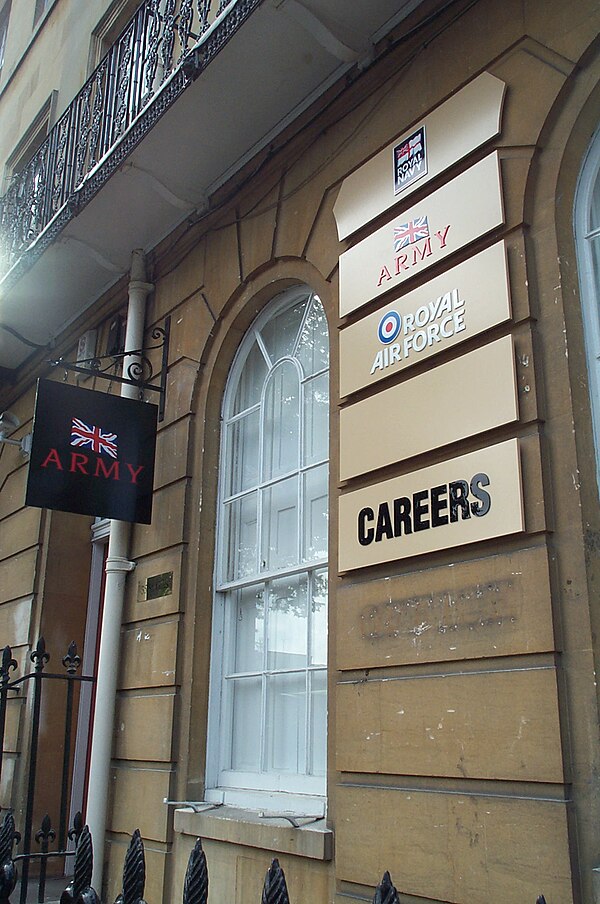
column 251, row 381
column 595, row 248
column 287, row 627
column 249, row 628
column 240, row 534
column 245, row 727
column 279, row 334
column 316, row 419
column 280, row 525
column 318, row 722
column 281, row 422
column 318, row 627
column 313, row 348
column 315, row 514
column 285, row 727
column 595, row 206
column 276, row 446
column 243, row 453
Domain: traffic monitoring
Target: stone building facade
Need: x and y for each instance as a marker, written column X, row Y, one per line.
column 381, row 405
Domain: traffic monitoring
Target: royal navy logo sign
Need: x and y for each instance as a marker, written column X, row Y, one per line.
column 92, row 453
column 410, row 160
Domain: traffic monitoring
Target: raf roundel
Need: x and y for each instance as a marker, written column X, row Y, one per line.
column 389, row 327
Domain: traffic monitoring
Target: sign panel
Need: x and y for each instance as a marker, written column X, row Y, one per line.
column 410, row 160
column 92, row 453
column 463, row 302
column 459, row 212
column 462, row 398
column 453, row 130
column 474, row 497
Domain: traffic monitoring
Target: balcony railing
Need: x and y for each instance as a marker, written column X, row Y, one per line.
column 163, row 47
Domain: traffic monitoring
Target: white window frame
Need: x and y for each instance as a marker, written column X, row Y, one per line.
column 589, row 280
column 299, row 793
column 32, row 139
column 41, row 8
column 4, row 23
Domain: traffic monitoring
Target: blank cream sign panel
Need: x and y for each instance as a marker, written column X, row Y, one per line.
column 467, row 207
column 452, row 131
column 461, row 303
column 474, row 497
column 462, row 398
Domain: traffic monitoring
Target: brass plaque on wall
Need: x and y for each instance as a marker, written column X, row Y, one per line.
column 462, row 398
column 474, row 497
column 448, row 134
column 467, row 207
column 463, row 302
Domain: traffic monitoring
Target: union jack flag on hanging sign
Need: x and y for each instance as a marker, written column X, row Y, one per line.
column 93, row 438
column 408, row 233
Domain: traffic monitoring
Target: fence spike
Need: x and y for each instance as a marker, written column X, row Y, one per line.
column 71, row 660
column 46, row 833
column 195, row 886
column 275, row 887
column 8, row 836
column 541, row 900
column 39, row 656
column 80, row 888
column 8, row 869
column 134, row 872
column 84, row 862
column 77, row 829
column 386, row 892
column 8, row 663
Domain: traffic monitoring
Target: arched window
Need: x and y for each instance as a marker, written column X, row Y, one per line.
column 267, row 719
column 587, row 237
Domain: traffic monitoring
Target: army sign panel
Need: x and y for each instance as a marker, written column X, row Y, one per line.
column 92, row 453
column 467, row 207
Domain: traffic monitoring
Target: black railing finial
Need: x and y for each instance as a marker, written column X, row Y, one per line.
column 39, row 656
column 71, row 661
column 195, row 886
column 75, row 833
column 386, row 892
column 134, row 872
column 80, row 888
column 275, row 887
column 8, row 663
column 8, row 869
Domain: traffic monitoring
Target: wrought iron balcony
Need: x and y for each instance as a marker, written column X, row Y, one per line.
column 191, row 92
column 165, row 45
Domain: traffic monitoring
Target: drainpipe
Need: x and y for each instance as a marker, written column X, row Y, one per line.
column 117, row 568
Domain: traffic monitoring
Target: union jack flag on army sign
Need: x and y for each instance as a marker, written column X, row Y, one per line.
column 92, row 453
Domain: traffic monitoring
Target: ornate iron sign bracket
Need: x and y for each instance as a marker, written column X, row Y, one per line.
column 140, row 373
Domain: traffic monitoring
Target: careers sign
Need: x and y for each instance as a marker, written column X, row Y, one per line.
column 464, row 500
column 92, row 453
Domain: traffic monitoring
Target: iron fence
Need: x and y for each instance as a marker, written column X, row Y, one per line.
column 18, row 687
column 195, row 885
column 79, row 890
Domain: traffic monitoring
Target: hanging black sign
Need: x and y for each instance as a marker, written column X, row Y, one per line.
column 92, row 453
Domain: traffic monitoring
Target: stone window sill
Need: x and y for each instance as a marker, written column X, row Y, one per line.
column 248, row 827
